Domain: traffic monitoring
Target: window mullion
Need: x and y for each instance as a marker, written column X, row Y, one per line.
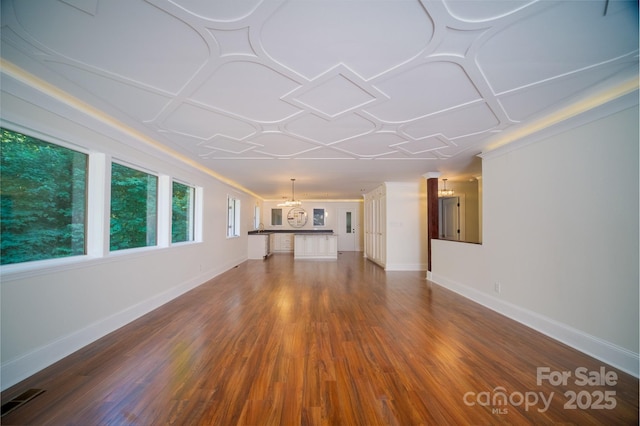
column 164, row 210
column 198, row 216
column 98, row 202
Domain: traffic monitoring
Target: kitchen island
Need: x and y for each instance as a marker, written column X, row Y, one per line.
column 315, row 246
column 303, row 243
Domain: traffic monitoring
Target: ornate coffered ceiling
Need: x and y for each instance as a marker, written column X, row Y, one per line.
column 340, row 94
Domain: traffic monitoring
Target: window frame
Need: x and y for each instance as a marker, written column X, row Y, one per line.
column 274, row 209
column 233, row 216
column 98, row 207
column 52, row 140
column 257, row 220
column 158, row 214
column 323, row 217
column 192, row 213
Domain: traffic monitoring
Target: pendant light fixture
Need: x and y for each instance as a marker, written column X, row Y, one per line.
column 292, row 202
column 444, row 192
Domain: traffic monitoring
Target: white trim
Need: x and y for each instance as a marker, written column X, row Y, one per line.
column 198, row 217
column 98, row 204
column 25, row 270
column 233, row 229
column 626, row 101
column 164, row 209
column 134, row 166
column 405, row 267
column 432, row 175
column 43, row 136
column 610, row 353
column 16, row 370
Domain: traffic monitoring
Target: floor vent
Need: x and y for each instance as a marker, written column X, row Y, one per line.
column 20, row 400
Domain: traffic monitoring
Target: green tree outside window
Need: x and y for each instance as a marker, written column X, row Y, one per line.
column 42, row 198
column 182, row 213
column 134, row 201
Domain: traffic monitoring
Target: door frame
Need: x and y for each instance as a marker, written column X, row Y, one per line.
column 461, row 216
column 355, row 226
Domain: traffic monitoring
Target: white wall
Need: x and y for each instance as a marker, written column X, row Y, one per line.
column 560, row 237
column 50, row 311
column 406, row 228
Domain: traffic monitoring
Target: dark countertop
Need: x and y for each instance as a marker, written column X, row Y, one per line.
column 292, row 231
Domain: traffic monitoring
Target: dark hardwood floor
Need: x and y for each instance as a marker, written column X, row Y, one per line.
column 327, row 343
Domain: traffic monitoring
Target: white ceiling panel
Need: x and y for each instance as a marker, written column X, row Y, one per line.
column 373, row 145
column 423, row 90
column 369, row 37
column 557, row 41
column 220, row 10
column 143, row 103
column 422, row 146
column 462, row 121
column 335, row 94
column 340, row 94
column 281, row 145
column 221, row 143
column 200, row 122
column 531, row 100
column 135, row 44
column 324, row 131
column 258, row 98
column 481, row 11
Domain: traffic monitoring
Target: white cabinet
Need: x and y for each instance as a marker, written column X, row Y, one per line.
column 375, row 227
column 259, row 246
column 282, row 243
column 316, row 246
column 396, row 226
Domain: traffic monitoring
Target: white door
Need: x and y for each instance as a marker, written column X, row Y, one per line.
column 347, row 222
column 450, row 219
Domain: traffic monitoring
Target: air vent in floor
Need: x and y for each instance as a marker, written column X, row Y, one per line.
column 20, row 400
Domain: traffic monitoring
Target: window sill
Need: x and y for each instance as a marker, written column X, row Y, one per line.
column 20, row 271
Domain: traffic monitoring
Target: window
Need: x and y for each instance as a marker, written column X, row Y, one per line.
column 318, row 217
column 182, row 213
column 134, row 200
column 276, row 216
column 256, row 217
column 43, row 199
column 233, row 217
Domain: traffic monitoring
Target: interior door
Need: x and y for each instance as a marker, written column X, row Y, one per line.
column 450, row 229
column 346, row 230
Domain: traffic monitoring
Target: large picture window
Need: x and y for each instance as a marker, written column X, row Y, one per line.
column 182, row 213
column 134, row 201
column 43, row 199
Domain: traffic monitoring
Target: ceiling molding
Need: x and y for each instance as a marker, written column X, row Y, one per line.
column 231, row 88
column 610, row 102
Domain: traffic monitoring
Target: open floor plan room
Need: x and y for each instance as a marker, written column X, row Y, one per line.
column 279, row 341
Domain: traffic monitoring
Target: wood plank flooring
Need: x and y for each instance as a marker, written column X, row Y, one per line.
column 322, row 343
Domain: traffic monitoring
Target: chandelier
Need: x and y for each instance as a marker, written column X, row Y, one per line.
column 444, row 192
column 292, row 202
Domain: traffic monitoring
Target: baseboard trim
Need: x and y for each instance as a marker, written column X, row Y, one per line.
column 595, row 347
column 405, row 267
column 16, row 370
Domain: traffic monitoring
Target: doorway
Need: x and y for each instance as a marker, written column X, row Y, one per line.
column 347, row 229
column 451, row 219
